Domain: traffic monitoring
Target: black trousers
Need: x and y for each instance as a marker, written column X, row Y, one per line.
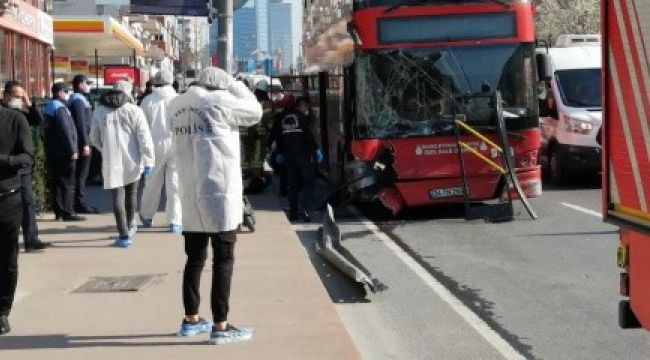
column 62, row 184
column 81, row 175
column 10, row 216
column 124, row 203
column 223, row 252
column 30, row 229
column 300, row 179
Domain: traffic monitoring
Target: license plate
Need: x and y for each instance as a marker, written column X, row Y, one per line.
column 445, row 193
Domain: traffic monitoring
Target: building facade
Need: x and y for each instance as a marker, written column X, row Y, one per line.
column 281, row 40
column 263, row 28
column 147, row 42
column 26, row 37
column 244, row 36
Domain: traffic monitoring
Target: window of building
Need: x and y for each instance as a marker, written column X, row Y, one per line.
column 5, row 58
column 46, row 79
column 20, row 60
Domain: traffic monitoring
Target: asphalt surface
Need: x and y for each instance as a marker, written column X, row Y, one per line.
column 548, row 287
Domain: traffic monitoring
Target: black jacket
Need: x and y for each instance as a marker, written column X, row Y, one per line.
column 16, row 148
column 297, row 139
column 82, row 114
column 60, row 132
column 33, row 114
column 34, row 118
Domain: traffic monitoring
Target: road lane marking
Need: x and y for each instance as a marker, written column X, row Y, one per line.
column 491, row 336
column 583, row 210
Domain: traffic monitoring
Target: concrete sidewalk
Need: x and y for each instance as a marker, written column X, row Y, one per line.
column 275, row 290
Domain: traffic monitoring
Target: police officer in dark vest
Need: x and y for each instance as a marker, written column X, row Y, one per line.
column 299, row 151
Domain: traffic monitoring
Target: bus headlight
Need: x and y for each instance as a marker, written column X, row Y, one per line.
column 578, row 126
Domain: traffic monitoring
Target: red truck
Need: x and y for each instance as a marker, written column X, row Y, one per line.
column 626, row 149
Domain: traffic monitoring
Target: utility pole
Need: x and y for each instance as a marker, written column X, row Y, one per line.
column 225, row 38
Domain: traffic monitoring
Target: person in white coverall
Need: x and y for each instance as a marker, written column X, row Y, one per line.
column 205, row 124
column 164, row 172
column 120, row 132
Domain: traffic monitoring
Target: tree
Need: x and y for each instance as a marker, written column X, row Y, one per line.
column 555, row 17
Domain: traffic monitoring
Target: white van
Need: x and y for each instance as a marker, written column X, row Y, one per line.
column 570, row 106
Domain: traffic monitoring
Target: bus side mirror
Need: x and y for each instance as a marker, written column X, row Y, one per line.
column 543, row 72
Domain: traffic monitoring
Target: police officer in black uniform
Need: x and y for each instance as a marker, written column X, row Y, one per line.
column 82, row 114
column 61, row 146
column 16, row 152
column 15, row 98
column 298, row 150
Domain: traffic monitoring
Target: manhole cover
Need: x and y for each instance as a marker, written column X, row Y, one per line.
column 115, row 283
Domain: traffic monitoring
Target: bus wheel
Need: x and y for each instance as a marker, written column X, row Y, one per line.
column 626, row 318
column 557, row 170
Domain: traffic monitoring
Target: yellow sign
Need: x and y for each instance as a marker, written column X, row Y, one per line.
column 79, row 67
column 62, row 65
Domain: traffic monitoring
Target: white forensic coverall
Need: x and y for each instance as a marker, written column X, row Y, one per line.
column 164, row 172
column 205, row 126
column 122, row 136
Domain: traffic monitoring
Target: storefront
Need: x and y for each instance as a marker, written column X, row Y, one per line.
column 96, row 45
column 26, row 37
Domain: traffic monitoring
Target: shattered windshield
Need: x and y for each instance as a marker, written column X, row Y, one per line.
column 418, row 91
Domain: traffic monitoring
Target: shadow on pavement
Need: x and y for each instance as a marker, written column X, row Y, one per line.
column 340, row 288
column 576, row 233
column 471, row 297
column 76, row 229
column 62, row 341
column 585, row 182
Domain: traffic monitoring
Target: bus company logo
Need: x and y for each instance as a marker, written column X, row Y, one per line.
column 446, row 149
column 436, row 149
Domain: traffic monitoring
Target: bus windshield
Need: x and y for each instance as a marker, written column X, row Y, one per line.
column 417, row 91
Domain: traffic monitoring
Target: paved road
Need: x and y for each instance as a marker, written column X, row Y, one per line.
column 549, row 287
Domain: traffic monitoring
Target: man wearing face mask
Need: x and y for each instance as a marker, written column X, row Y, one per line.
column 61, row 146
column 16, row 152
column 15, row 98
column 82, row 114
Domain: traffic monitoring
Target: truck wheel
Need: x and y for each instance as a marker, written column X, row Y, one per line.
column 557, row 170
column 626, row 318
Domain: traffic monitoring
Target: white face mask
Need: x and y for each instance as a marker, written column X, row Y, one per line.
column 16, row 103
column 66, row 97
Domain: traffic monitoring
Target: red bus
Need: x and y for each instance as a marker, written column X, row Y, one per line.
column 626, row 149
column 417, row 65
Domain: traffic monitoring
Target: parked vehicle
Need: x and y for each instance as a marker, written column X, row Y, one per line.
column 570, row 108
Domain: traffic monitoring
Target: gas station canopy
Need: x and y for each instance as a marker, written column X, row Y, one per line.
column 82, row 35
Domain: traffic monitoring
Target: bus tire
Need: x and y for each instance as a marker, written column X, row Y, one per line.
column 626, row 318
column 557, row 170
